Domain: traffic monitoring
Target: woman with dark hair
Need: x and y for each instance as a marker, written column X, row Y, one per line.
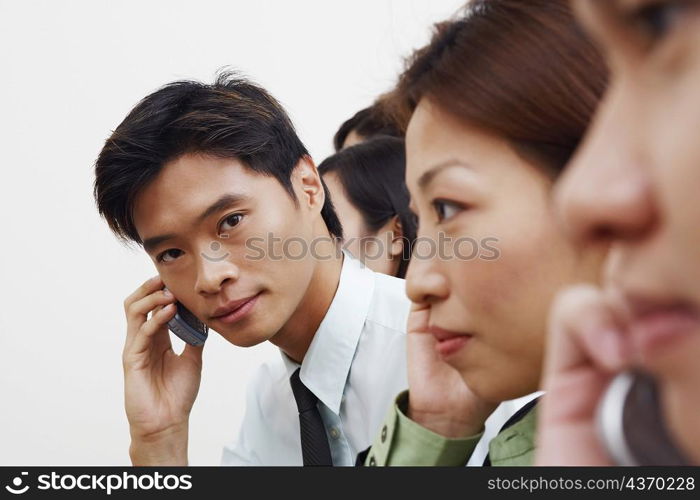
column 497, row 104
column 365, row 124
column 633, row 185
column 367, row 187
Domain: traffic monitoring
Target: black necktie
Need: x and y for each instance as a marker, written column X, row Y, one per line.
column 314, row 442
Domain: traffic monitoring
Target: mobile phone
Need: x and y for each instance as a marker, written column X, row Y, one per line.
column 631, row 424
column 187, row 326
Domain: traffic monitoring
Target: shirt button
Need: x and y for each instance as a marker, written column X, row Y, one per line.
column 335, row 433
column 383, row 433
column 372, row 462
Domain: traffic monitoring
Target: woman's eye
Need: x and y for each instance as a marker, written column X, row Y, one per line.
column 659, row 19
column 230, row 221
column 446, row 209
column 169, row 255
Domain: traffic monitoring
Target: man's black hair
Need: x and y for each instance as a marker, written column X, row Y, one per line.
column 231, row 118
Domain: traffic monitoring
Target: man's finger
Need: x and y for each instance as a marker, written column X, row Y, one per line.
column 137, row 312
column 193, row 352
column 147, row 287
column 144, row 336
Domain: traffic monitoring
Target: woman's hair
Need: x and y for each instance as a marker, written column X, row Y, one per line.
column 521, row 69
column 372, row 174
column 367, row 123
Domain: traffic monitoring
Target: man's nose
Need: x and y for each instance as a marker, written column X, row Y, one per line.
column 215, row 266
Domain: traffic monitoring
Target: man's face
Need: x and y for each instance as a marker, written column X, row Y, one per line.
column 217, row 255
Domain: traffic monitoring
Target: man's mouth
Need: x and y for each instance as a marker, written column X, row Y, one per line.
column 235, row 310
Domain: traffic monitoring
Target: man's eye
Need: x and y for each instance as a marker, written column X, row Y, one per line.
column 658, row 19
column 446, row 209
column 229, row 222
column 169, row 255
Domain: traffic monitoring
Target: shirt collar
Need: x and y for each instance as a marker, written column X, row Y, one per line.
column 325, row 368
column 516, row 441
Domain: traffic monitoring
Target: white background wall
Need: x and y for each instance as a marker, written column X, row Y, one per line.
column 69, row 72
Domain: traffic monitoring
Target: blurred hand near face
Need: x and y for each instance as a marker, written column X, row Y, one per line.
column 585, row 350
column 438, row 397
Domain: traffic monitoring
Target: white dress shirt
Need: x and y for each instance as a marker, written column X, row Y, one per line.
column 355, row 365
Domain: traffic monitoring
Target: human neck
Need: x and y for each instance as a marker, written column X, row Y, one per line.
column 296, row 335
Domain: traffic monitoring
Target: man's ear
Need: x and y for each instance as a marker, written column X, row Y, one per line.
column 307, row 183
column 397, row 239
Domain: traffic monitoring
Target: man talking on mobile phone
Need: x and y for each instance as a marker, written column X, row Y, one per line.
column 196, row 165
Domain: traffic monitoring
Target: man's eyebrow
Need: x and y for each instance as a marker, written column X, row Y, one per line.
column 433, row 171
column 224, row 202
column 150, row 243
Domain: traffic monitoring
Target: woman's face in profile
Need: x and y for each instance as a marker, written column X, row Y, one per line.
column 489, row 257
column 636, row 183
column 375, row 250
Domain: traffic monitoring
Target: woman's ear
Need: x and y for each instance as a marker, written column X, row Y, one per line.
column 397, row 239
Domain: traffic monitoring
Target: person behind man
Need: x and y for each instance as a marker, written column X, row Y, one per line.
column 365, row 124
column 215, row 185
column 367, row 185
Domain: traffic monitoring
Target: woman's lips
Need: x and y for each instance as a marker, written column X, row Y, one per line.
column 448, row 342
column 657, row 330
column 655, row 326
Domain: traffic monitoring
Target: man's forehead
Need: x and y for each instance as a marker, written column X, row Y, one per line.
column 198, row 179
column 190, row 171
column 185, row 189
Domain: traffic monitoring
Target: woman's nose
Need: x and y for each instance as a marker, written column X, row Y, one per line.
column 606, row 192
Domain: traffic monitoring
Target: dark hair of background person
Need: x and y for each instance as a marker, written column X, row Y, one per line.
column 367, row 123
column 231, row 118
column 372, row 174
column 521, row 69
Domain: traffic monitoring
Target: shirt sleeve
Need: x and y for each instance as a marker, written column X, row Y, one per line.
column 402, row 441
column 241, row 450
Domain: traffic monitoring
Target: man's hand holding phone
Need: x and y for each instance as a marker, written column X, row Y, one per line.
column 160, row 386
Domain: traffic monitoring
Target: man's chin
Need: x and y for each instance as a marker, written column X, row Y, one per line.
column 243, row 339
